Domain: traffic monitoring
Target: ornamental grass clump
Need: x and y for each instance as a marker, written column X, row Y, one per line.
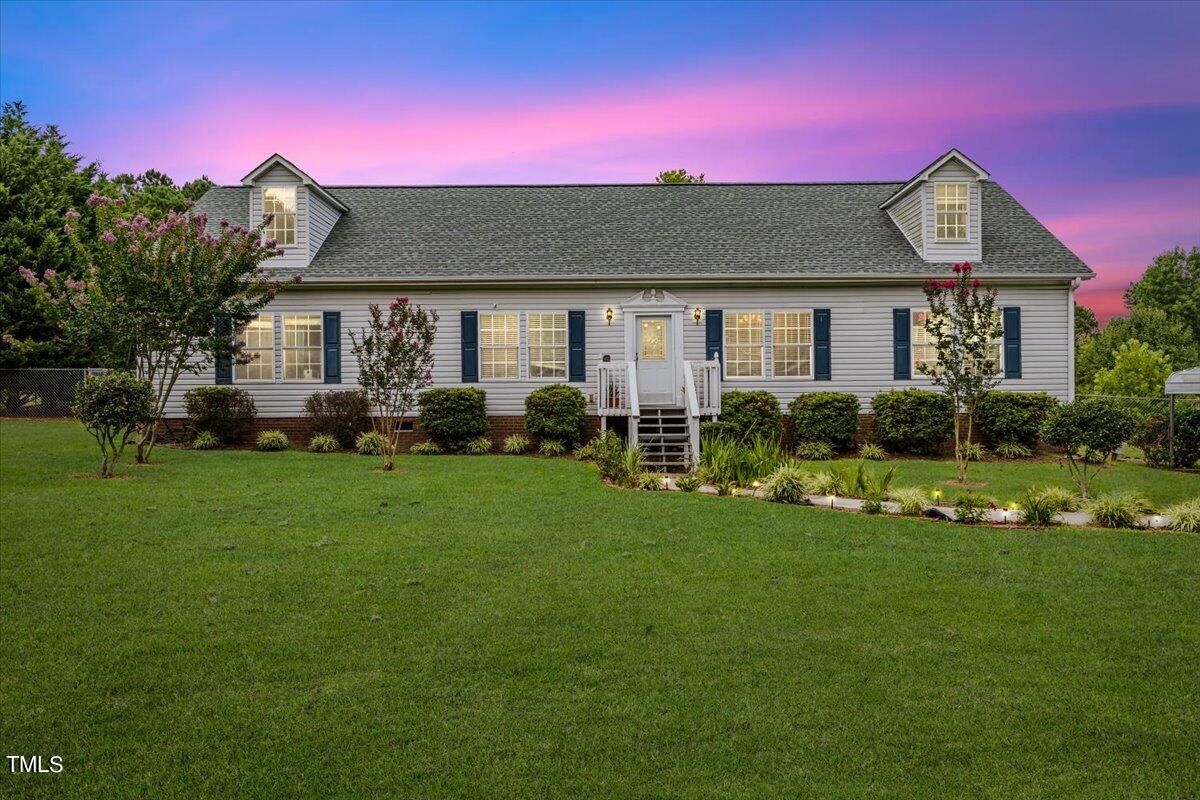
column 814, row 451
column 206, row 440
column 869, row 451
column 722, row 460
column 970, row 451
column 788, row 483
column 369, row 444
column 1184, row 517
column 1011, row 450
column 1040, row 508
column 427, row 448
column 1066, row 499
column 762, row 456
column 690, row 482
column 516, row 445
column 479, row 446
column 630, row 468
column 911, row 501
column 323, row 443
column 831, row 482
column 649, row 481
column 552, row 448
column 272, row 441
column 1118, row 509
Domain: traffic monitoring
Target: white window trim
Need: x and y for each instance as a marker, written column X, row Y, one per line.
column 283, row 348
column 966, row 214
column 479, row 344
column 812, row 344
column 274, row 354
column 262, row 208
column 762, row 347
column 523, row 323
column 917, row 375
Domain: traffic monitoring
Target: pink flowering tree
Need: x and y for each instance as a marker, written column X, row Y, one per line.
column 963, row 326
column 395, row 362
column 162, row 298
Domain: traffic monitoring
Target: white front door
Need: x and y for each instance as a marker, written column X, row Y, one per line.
column 655, row 360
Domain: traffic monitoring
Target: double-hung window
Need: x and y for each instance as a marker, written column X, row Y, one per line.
column 302, row 347
column 791, row 334
column 924, row 345
column 280, row 203
column 257, row 361
column 744, row 344
column 951, row 209
column 547, row 333
column 499, row 342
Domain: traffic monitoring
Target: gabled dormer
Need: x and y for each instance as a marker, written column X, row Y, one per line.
column 939, row 209
column 304, row 212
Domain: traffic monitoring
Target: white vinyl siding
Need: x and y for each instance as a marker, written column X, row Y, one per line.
column 258, row 350
column 792, row 340
column 951, row 204
column 302, row 347
column 744, row 344
column 547, row 338
column 499, row 345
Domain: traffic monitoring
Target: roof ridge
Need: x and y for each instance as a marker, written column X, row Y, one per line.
column 582, row 185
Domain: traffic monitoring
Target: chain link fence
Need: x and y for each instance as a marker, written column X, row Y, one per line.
column 1152, row 438
column 35, row 392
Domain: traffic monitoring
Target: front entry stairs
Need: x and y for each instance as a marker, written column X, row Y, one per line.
column 662, row 432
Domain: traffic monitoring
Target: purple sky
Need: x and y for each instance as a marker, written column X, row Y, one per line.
column 1088, row 113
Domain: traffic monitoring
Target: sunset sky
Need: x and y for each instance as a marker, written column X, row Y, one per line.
column 1088, row 114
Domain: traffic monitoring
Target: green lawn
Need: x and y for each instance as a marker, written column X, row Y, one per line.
column 240, row 624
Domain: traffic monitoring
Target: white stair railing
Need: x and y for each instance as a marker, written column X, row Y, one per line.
column 707, row 378
column 693, row 412
column 635, row 408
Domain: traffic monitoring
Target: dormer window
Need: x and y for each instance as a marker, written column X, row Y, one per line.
column 951, row 206
column 280, row 201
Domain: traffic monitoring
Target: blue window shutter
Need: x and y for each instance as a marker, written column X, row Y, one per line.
column 714, row 336
column 332, row 331
column 901, row 344
column 1012, row 341
column 470, row 347
column 821, row 359
column 224, row 366
column 576, row 350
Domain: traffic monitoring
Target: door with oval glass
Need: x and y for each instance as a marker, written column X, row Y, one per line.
column 655, row 361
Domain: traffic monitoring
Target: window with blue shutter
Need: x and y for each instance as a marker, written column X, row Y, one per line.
column 821, row 354
column 332, row 333
column 714, row 336
column 224, row 365
column 576, row 349
column 470, row 347
column 1012, row 341
column 901, row 344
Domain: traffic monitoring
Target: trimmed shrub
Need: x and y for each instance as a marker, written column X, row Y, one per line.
column 272, row 441
column 606, row 450
column 787, row 484
column 369, row 444
column 970, row 509
column 1089, row 432
column 1118, row 509
column 206, row 440
column 913, row 420
column 910, row 500
column 688, row 483
column 1184, row 516
column 829, row 417
column 814, row 451
column 1152, row 435
column 749, row 413
column 454, row 416
column 556, row 412
column 112, row 408
column 1012, row 450
column 716, row 429
column 552, row 448
column 323, row 443
column 425, row 449
column 340, row 414
column 1012, row 417
column 516, row 445
column 871, row 452
column 224, row 411
column 478, row 446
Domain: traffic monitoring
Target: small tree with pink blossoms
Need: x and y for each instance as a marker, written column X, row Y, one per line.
column 395, row 359
column 962, row 325
column 163, row 298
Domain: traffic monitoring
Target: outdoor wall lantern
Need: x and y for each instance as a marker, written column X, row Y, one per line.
column 696, row 312
column 608, row 315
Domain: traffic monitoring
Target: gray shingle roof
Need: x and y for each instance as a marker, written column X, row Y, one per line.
column 710, row 230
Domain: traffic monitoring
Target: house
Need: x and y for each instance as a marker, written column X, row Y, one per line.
column 652, row 299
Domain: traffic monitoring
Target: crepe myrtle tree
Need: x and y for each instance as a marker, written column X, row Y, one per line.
column 962, row 324
column 161, row 298
column 395, row 359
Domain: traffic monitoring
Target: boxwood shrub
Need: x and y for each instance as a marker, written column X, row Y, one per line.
column 453, row 417
column 829, row 417
column 750, row 413
column 913, row 420
column 556, row 412
column 1012, row 417
column 343, row 415
column 224, row 411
